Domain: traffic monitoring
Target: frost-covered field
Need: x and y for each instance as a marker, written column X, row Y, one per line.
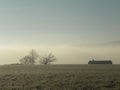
column 60, row 77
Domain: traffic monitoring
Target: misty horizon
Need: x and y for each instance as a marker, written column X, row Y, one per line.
column 73, row 54
column 74, row 31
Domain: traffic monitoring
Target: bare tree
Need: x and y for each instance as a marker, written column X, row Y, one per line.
column 29, row 59
column 21, row 61
column 33, row 56
column 47, row 59
column 25, row 60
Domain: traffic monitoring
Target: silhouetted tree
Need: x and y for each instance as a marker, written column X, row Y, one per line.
column 33, row 56
column 29, row 59
column 47, row 59
column 25, row 60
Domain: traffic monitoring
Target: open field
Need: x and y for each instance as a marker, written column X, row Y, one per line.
column 60, row 77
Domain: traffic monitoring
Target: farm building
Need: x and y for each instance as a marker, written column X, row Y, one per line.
column 100, row 62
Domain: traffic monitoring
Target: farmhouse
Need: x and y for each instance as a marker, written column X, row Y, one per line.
column 100, row 62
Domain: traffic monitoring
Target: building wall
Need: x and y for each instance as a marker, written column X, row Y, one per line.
column 100, row 62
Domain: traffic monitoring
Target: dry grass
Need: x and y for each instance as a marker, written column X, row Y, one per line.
column 60, row 77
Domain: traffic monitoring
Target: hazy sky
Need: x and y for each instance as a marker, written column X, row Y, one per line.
column 73, row 30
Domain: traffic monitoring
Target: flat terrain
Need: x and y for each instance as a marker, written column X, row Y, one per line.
column 60, row 77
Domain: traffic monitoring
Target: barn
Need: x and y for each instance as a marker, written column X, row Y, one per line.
column 100, row 62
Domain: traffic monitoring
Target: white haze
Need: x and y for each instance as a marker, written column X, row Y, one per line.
column 65, row 54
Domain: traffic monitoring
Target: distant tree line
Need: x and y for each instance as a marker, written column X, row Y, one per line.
column 31, row 58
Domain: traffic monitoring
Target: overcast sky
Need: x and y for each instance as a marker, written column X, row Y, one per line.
column 73, row 30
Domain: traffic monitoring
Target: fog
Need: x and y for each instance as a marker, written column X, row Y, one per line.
column 65, row 54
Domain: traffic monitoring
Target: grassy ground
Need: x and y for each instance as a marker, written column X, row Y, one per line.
column 60, row 77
